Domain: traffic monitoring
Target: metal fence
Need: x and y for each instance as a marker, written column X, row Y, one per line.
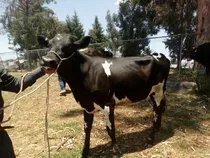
column 26, row 60
column 30, row 59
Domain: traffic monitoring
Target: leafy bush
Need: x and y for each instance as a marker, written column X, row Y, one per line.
column 203, row 83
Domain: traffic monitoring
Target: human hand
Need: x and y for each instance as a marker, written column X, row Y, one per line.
column 48, row 70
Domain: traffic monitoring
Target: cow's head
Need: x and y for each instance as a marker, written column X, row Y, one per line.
column 189, row 54
column 62, row 46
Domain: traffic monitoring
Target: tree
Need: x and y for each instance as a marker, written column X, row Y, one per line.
column 135, row 22
column 177, row 17
column 74, row 26
column 23, row 20
column 112, row 32
column 202, row 36
column 203, row 22
column 97, row 34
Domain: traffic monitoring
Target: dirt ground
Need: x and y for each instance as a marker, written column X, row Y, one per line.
column 185, row 128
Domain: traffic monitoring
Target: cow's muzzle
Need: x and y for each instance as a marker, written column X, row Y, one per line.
column 49, row 62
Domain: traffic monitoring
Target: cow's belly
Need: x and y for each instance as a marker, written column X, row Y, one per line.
column 133, row 95
column 136, row 98
column 137, row 94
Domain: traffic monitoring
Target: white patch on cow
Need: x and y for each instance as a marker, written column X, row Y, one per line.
column 155, row 116
column 157, row 56
column 83, row 50
column 115, row 98
column 106, row 112
column 85, row 125
column 106, row 67
column 158, row 90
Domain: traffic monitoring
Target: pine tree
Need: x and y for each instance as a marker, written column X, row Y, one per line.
column 74, row 25
column 97, row 34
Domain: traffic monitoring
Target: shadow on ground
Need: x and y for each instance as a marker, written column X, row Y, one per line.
column 181, row 113
column 72, row 113
column 129, row 143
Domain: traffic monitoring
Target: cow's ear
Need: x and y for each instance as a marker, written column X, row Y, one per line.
column 83, row 42
column 43, row 41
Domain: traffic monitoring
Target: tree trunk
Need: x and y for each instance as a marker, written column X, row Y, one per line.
column 203, row 22
column 180, row 38
column 203, row 25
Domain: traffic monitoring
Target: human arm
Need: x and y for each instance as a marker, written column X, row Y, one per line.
column 13, row 84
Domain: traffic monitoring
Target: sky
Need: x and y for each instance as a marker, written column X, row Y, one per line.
column 86, row 10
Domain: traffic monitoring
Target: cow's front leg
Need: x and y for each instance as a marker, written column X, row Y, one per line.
column 110, row 126
column 157, row 117
column 88, row 121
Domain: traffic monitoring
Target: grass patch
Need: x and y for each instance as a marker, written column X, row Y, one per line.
column 67, row 153
column 184, row 75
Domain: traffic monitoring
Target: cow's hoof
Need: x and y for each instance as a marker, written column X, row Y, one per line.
column 116, row 156
column 116, row 149
column 149, row 143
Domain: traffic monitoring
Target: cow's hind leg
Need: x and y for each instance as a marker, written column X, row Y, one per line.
column 110, row 125
column 88, row 121
column 158, row 109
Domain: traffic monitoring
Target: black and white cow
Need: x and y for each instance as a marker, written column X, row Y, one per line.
column 201, row 54
column 97, row 82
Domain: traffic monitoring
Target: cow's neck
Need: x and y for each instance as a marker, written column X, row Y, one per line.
column 71, row 70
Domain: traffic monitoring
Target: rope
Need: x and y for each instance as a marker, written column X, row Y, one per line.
column 61, row 59
column 17, row 99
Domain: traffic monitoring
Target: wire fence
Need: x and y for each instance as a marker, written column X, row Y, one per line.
column 26, row 60
column 30, row 59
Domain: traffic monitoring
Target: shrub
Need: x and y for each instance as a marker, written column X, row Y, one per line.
column 203, row 83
